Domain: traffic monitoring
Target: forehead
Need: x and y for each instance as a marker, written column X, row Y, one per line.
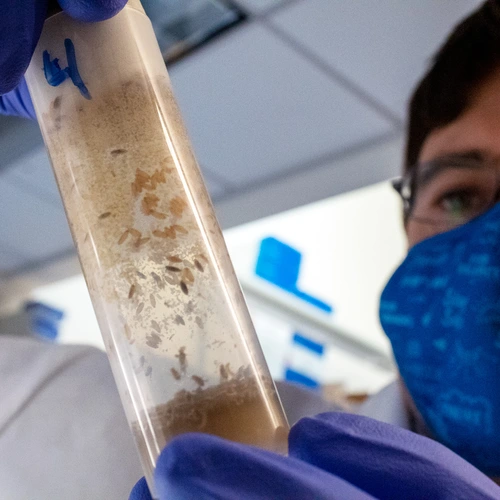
column 477, row 129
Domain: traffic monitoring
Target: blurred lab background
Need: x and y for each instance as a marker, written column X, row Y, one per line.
column 296, row 110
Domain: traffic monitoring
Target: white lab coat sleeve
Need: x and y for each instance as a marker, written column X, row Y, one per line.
column 299, row 402
column 63, row 433
column 387, row 406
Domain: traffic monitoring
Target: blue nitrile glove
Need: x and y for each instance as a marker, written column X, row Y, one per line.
column 207, row 467
column 21, row 23
column 331, row 456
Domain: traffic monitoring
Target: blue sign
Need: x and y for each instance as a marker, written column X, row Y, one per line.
column 300, row 379
column 279, row 264
column 44, row 320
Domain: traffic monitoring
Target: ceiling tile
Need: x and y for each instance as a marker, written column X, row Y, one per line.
column 254, row 107
column 382, row 46
column 9, row 260
column 18, row 137
column 33, row 174
column 371, row 164
column 259, row 5
column 214, row 188
column 34, row 228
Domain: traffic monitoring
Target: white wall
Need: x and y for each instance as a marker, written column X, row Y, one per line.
column 70, row 295
column 350, row 243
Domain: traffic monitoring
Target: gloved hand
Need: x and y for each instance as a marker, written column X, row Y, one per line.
column 21, row 23
column 331, row 456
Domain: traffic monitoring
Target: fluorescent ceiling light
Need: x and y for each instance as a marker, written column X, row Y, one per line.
column 184, row 25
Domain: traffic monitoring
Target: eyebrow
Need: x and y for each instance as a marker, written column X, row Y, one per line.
column 474, row 158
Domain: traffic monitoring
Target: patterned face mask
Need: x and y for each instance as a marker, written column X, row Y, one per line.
column 441, row 312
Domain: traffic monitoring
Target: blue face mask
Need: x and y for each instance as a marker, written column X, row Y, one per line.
column 441, row 312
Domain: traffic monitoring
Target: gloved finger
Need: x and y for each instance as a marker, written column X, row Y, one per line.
column 140, row 491
column 17, row 102
column 92, row 10
column 386, row 461
column 207, row 467
column 20, row 27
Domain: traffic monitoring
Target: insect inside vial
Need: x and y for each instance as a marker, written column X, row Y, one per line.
column 173, row 269
column 172, row 280
column 141, row 241
column 187, row 275
column 180, row 229
column 177, row 206
column 182, row 358
column 225, row 371
column 123, row 237
column 184, row 288
column 117, row 152
column 157, row 279
column 153, row 340
column 128, row 333
column 149, row 204
column 198, row 380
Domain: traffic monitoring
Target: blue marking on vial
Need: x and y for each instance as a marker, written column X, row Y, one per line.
column 55, row 75
column 53, row 72
column 72, row 69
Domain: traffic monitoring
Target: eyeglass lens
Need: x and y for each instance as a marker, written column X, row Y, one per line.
column 449, row 195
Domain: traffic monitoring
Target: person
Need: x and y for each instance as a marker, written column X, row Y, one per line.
column 440, row 310
column 333, row 455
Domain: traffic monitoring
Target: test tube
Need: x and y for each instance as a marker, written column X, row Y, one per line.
column 177, row 331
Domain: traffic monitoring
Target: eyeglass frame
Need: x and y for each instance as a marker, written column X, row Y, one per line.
column 405, row 185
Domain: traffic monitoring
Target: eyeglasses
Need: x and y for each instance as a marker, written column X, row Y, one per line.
column 448, row 192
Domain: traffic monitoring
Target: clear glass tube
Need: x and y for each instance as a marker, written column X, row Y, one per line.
column 177, row 331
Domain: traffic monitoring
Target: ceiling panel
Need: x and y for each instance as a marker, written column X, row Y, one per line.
column 375, row 162
column 214, row 188
column 18, row 137
column 31, row 226
column 382, row 46
column 260, row 5
column 33, row 174
column 10, row 259
column 255, row 108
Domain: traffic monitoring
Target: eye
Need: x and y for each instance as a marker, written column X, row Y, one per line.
column 461, row 202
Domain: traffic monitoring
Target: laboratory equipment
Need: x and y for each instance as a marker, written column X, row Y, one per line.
column 177, row 331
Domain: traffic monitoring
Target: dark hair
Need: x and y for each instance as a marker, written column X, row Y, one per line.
column 468, row 57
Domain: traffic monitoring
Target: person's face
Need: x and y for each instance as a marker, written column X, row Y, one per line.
column 475, row 133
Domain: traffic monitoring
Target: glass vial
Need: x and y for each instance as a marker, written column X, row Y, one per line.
column 177, row 331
